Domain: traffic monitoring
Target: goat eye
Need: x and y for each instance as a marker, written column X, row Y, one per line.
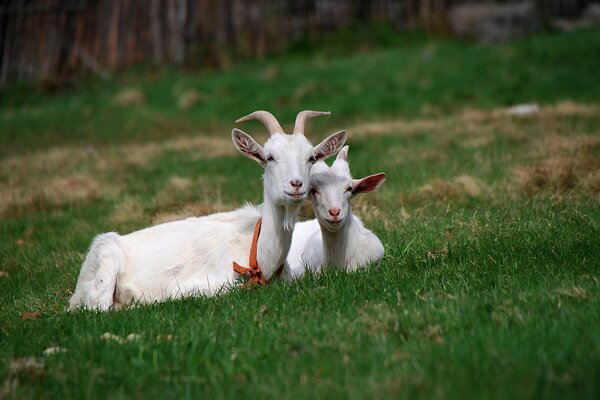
column 314, row 191
column 270, row 158
column 349, row 189
column 312, row 159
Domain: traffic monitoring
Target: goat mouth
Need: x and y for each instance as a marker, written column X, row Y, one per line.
column 297, row 195
column 333, row 226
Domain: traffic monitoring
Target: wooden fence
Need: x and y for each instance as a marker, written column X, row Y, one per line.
column 55, row 39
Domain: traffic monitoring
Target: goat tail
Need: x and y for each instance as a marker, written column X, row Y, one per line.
column 97, row 281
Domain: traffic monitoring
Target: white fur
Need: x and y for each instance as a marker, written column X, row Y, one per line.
column 346, row 244
column 195, row 255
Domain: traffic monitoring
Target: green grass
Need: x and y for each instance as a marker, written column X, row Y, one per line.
column 490, row 283
column 418, row 74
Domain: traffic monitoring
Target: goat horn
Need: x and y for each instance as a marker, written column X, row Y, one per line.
column 266, row 118
column 305, row 116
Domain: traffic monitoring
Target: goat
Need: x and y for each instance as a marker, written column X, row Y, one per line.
column 195, row 255
column 336, row 237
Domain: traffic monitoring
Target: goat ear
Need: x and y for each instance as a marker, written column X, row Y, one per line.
column 368, row 184
column 330, row 146
column 248, row 146
column 343, row 154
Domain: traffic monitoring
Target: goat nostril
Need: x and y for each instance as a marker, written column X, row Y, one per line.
column 296, row 183
column 334, row 212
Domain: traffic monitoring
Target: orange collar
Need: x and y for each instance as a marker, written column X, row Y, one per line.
column 254, row 271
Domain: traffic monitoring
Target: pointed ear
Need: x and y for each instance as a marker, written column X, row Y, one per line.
column 248, row 146
column 368, row 184
column 343, row 154
column 330, row 146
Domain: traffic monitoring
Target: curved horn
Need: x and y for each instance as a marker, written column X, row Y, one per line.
column 305, row 116
column 266, row 118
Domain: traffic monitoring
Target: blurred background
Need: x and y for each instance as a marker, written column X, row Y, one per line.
column 101, row 74
column 56, row 40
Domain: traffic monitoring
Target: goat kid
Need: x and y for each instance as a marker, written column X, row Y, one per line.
column 336, row 237
column 194, row 256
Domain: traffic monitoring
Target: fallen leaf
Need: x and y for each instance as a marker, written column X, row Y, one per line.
column 435, row 253
column 30, row 315
column 107, row 336
column 3, row 273
column 20, row 242
column 132, row 337
column 54, row 350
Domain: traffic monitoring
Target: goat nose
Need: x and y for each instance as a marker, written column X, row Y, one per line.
column 334, row 212
column 296, row 183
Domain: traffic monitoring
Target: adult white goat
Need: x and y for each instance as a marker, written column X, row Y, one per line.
column 195, row 255
column 336, row 237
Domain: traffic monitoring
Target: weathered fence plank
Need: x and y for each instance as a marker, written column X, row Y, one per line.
column 55, row 39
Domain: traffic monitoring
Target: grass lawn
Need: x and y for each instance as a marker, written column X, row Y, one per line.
column 491, row 222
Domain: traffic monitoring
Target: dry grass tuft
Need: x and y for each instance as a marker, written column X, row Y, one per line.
column 404, row 127
column 130, row 97
column 179, row 184
column 48, row 162
column 27, row 367
column 180, row 190
column 39, row 194
column 470, row 185
column 176, row 191
column 440, row 190
column 202, row 147
column 575, row 292
column 474, row 121
column 457, row 188
column 191, row 210
column 570, row 108
column 129, row 209
column 477, row 116
column 561, row 174
column 571, row 145
column 591, row 183
column 557, row 173
column 189, row 99
column 369, row 210
column 565, row 163
column 477, row 142
column 61, row 175
column 77, row 187
column 56, row 176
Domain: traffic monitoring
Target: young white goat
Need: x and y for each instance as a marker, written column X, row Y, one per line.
column 195, row 255
column 336, row 237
